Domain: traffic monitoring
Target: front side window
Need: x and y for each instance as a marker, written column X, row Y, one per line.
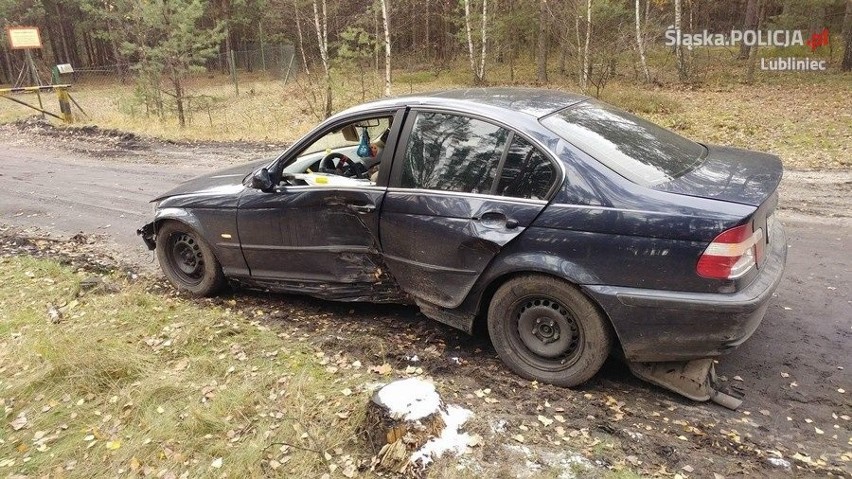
column 353, row 150
column 452, row 153
column 526, row 173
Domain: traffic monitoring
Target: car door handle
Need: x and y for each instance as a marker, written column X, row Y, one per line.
column 495, row 219
column 363, row 209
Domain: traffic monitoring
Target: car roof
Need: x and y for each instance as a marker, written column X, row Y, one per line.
column 533, row 102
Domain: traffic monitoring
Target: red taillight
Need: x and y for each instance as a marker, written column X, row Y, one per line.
column 731, row 254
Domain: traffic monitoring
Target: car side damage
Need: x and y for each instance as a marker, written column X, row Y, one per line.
column 568, row 226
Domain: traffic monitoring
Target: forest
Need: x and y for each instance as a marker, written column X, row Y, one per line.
column 582, row 43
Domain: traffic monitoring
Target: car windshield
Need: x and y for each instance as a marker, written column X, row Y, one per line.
column 637, row 149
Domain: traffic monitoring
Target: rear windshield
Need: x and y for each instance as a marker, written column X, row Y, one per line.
column 637, row 149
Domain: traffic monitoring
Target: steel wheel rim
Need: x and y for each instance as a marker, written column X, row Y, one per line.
column 186, row 258
column 545, row 333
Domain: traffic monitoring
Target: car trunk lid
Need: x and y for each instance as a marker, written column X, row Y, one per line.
column 730, row 174
column 737, row 176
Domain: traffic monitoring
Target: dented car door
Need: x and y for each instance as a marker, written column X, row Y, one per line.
column 443, row 220
column 322, row 240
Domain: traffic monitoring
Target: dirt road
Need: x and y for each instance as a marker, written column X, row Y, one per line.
column 795, row 371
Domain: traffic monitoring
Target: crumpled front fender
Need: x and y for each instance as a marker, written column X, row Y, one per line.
column 149, row 231
column 148, row 235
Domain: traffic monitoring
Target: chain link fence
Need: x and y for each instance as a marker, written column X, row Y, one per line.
column 276, row 61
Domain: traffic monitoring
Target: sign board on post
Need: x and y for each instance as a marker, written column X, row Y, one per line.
column 22, row 38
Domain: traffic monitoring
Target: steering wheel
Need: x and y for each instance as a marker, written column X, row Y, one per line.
column 327, row 163
column 345, row 166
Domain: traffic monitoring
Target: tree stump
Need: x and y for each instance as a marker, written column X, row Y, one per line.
column 400, row 419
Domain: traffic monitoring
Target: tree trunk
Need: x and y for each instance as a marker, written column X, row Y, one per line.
column 301, row 39
column 321, row 26
column 579, row 50
column 427, row 39
column 484, row 39
column 62, row 37
column 749, row 24
column 541, row 50
column 179, row 98
column 10, row 75
column 640, row 46
column 470, row 53
column 752, row 55
column 586, row 64
column 386, row 22
column 681, row 61
column 846, row 65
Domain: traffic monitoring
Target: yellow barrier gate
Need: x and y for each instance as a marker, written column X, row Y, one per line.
column 65, row 100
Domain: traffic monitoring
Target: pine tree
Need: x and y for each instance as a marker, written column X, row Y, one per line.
column 170, row 41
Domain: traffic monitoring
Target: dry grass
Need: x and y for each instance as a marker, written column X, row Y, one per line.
column 133, row 382
column 804, row 117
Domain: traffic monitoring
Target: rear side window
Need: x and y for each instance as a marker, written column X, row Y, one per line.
column 527, row 173
column 452, row 153
column 637, row 149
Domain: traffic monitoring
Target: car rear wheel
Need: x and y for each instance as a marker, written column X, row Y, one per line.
column 547, row 330
column 187, row 260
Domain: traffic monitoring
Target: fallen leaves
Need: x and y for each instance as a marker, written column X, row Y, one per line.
column 544, row 420
column 19, row 422
column 383, row 370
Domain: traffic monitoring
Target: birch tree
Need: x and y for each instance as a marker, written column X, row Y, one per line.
column 477, row 67
column 386, row 21
column 321, row 25
column 640, row 46
column 541, row 51
column 584, row 78
column 301, row 39
column 681, row 61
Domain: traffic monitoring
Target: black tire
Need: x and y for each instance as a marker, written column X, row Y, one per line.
column 187, row 260
column 547, row 330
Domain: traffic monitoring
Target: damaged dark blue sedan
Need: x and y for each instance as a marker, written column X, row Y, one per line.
column 565, row 225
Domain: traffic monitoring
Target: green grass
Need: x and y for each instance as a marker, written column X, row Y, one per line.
column 137, row 381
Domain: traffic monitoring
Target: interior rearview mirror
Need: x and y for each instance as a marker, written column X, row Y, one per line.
column 261, row 180
column 372, row 123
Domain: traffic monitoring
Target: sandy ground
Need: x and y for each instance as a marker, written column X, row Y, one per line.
column 795, row 371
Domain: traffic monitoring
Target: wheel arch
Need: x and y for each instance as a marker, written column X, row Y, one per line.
column 529, row 264
column 184, row 217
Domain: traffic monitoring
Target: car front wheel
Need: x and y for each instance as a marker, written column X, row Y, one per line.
column 547, row 330
column 187, row 260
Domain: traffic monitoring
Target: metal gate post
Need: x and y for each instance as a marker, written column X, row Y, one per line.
column 64, row 105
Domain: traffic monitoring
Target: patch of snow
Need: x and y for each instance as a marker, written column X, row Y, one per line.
column 409, row 399
column 569, row 464
column 778, row 462
column 450, row 440
column 573, row 466
column 412, row 359
column 518, row 449
column 372, row 386
column 498, row 426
